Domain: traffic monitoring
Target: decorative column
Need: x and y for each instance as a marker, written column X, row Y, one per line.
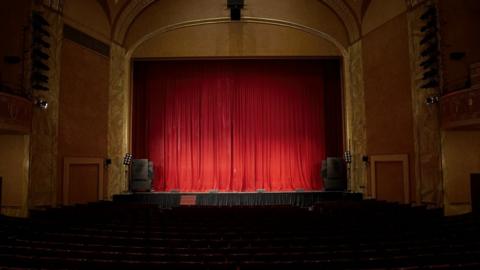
column 44, row 147
column 426, row 120
column 118, row 118
column 354, row 103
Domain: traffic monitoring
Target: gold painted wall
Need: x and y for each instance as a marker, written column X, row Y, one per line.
column 386, row 114
column 14, row 16
column 14, row 149
column 388, row 104
column 87, row 16
column 426, row 119
column 309, row 13
column 459, row 33
column 460, row 149
column 118, row 118
column 83, row 110
column 461, row 157
column 225, row 39
column 14, row 168
column 355, row 118
column 44, row 137
column 235, row 39
column 380, row 12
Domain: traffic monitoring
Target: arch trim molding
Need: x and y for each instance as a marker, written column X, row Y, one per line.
column 344, row 12
column 221, row 20
column 135, row 7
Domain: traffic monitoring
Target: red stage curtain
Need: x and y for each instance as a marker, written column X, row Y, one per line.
column 237, row 125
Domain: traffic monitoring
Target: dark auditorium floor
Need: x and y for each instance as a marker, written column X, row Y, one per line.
column 356, row 234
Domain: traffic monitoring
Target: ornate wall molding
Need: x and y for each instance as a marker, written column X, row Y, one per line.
column 354, row 105
column 426, row 123
column 18, row 114
column 222, row 20
column 135, row 7
column 118, row 119
column 461, row 110
column 44, row 138
column 354, row 111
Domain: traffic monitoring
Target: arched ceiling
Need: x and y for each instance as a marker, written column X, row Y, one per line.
column 122, row 13
column 358, row 7
column 112, row 9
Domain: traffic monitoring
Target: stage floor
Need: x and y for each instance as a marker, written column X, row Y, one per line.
column 174, row 199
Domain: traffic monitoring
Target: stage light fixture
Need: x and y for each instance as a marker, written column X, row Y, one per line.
column 430, row 73
column 430, row 12
column 40, row 65
column 432, row 100
column 127, row 160
column 347, row 156
column 39, row 75
column 235, row 7
column 430, row 84
column 430, row 37
column 430, row 26
column 432, row 60
column 39, row 41
column 430, row 49
column 41, row 103
column 37, row 54
column 39, row 20
column 40, row 87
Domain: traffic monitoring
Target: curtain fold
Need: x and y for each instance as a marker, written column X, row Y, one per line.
column 236, row 125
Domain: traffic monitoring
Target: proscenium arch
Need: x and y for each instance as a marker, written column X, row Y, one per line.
column 122, row 71
column 135, row 7
column 255, row 20
column 345, row 69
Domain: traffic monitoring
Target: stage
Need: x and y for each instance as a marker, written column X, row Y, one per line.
column 174, row 199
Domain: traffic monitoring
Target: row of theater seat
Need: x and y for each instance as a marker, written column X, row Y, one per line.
column 327, row 235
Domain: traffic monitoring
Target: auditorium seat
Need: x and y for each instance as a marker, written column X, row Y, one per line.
column 335, row 235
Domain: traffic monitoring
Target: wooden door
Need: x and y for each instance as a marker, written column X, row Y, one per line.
column 82, row 180
column 389, row 178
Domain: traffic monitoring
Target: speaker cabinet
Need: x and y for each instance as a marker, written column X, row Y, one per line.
column 142, row 174
column 334, row 174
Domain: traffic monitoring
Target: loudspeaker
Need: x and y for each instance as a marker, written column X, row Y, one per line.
column 430, row 50
column 334, row 174
column 335, row 184
column 142, row 175
column 39, row 53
